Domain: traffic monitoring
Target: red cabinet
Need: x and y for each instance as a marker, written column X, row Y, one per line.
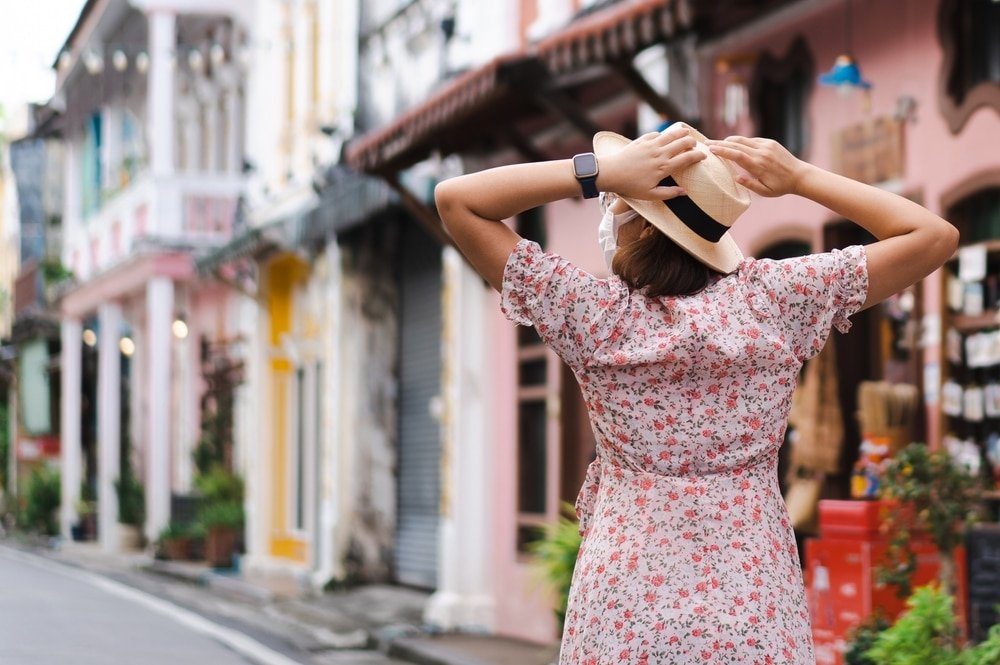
column 840, row 575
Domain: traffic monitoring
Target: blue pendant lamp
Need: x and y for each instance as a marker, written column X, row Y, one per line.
column 845, row 73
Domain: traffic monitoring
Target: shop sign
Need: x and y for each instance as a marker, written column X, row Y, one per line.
column 37, row 448
column 870, row 151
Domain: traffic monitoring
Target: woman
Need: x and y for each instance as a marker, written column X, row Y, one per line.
column 687, row 359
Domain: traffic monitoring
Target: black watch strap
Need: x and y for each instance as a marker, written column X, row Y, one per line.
column 585, row 169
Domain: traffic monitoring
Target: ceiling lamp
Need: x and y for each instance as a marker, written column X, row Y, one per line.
column 845, row 75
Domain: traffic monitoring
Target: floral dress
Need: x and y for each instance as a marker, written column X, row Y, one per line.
column 687, row 555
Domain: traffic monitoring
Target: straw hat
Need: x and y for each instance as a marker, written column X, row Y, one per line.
column 699, row 222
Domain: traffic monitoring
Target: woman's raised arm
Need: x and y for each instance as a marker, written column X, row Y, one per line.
column 912, row 241
column 472, row 206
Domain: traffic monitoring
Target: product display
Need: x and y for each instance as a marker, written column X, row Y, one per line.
column 970, row 394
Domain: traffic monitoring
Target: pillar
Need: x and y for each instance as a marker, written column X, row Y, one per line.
column 109, row 379
column 464, row 598
column 162, row 42
column 70, row 444
column 159, row 315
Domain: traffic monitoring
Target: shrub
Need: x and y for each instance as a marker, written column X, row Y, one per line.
column 221, row 514
column 44, row 494
column 987, row 652
column 862, row 638
column 219, row 486
column 555, row 557
column 131, row 499
column 938, row 497
column 927, row 634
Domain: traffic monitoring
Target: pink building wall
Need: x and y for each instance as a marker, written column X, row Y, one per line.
column 903, row 60
column 898, row 48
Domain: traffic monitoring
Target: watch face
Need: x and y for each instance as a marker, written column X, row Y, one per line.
column 585, row 165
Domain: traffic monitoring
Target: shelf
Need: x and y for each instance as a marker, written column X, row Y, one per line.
column 992, row 495
column 992, row 246
column 966, row 324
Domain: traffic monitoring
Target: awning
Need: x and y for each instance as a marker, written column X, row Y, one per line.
column 493, row 89
column 616, row 33
column 346, row 199
column 508, row 88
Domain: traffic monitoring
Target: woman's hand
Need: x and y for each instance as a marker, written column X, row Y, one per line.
column 637, row 169
column 771, row 169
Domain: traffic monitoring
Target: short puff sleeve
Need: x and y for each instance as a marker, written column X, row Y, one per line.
column 572, row 310
column 804, row 297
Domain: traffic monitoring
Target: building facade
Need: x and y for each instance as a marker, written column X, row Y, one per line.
column 151, row 105
column 919, row 131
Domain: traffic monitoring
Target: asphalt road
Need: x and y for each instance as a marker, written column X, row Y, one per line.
column 54, row 615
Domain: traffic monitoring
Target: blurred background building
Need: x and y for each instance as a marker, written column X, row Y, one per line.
column 241, row 247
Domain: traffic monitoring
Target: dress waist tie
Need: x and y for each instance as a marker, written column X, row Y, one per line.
column 586, row 500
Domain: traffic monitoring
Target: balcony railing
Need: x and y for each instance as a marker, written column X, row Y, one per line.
column 186, row 209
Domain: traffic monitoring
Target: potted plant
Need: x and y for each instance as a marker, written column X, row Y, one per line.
column 177, row 540
column 929, row 634
column 131, row 508
column 221, row 521
column 42, row 501
column 555, row 557
column 927, row 495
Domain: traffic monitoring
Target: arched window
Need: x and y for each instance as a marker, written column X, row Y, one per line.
column 970, row 37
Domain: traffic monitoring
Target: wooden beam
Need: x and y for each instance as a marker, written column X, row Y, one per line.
column 662, row 105
column 561, row 105
column 427, row 217
column 523, row 145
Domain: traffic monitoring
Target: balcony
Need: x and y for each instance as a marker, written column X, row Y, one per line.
column 193, row 211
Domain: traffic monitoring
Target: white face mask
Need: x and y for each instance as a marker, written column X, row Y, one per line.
column 607, row 231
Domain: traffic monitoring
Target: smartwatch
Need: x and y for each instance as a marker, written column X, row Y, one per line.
column 585, row 169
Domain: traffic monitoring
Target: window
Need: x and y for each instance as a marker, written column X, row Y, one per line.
column 779, row 94
column 978, row 216
column 301, row 430
column 971, row 40
column 91, row 166
column 306, row 436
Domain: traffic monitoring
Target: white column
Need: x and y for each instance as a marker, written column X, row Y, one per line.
column 212, row 135
column 464, row 598
column 109, row 379
column 330, row 441
column 159, row 310
column 70, row 444
column 162, row 42
column 231, row 110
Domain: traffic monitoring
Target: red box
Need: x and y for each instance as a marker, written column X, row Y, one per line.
column 840, row 579
column 850, row 519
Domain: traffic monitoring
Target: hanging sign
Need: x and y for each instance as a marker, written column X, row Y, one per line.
column 871, row 151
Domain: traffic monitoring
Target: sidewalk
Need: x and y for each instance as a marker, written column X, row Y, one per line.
column 374, row 624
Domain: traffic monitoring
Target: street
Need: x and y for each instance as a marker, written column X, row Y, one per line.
column 51, row 614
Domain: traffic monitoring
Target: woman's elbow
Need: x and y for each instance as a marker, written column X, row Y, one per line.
column 946, row 240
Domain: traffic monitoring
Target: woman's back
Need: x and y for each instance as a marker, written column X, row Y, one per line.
column 708, row 376
column 687, row 544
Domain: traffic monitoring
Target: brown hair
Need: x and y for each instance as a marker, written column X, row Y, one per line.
column 653, row 260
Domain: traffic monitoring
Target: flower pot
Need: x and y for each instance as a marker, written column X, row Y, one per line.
column 220, row 545
column 177, row 549
column 129, row 537
column 89, row 524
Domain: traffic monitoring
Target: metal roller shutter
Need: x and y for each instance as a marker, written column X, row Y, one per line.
column 419, row 433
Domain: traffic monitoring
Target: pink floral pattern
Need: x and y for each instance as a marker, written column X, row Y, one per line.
column 688, row 555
